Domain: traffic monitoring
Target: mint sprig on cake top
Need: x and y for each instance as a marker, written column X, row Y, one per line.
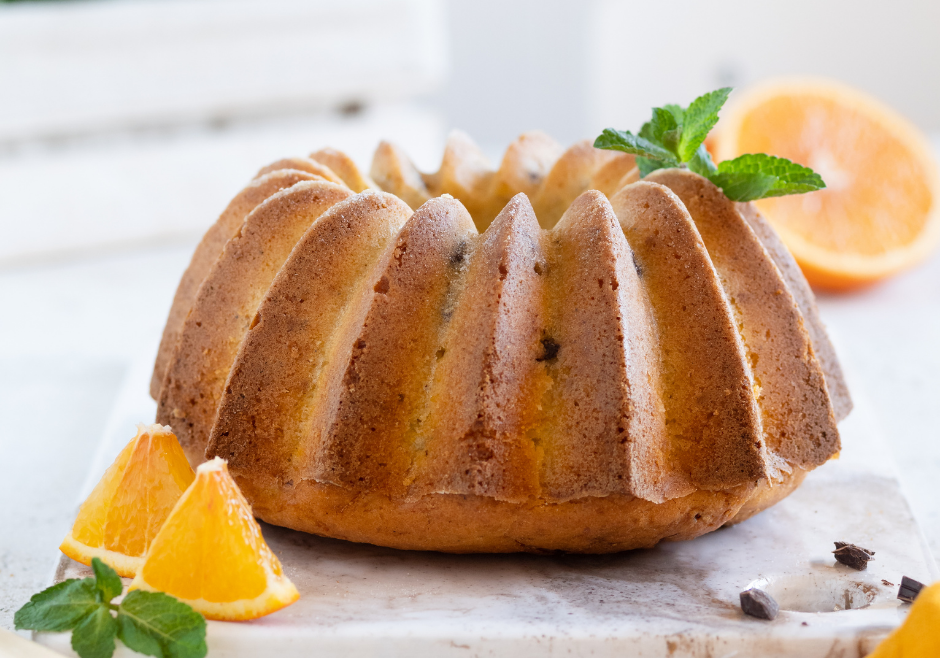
column 674, row 138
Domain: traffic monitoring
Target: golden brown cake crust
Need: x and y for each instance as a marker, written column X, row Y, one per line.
column 645, row 365
column 708, row 389
column 525, row 165
column 393, row 172
column 207, row 253
column 797, row 418
column 343, row 166
column 768, row 494
column 226, row 304
column 803, row 295
column 569, row 177
column 487, row 380
column 469, row 523
column 604, row 373
column 366, row 441
column 268, row 408
column 465, row 173
column 616, row 173
column 302, row 164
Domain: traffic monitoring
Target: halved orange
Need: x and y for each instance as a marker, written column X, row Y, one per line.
column 880, row 211
column 210, row 553
column 124, row 512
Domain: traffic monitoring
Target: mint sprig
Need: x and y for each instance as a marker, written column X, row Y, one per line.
column 151, row 623
column 698, row 120
column 151, row 619
column 618, row 140
column 790, row 177
column 94, row 635
column 675, row 137
column 60, row 607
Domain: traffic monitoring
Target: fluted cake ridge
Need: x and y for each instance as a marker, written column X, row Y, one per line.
column 546, row 355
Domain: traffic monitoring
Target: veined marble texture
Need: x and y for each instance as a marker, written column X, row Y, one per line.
column 677, row 599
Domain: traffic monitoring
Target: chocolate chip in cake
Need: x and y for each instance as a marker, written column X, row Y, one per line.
column 909, row 589
column 758, row 603
column 853, row 556
column 550, row 350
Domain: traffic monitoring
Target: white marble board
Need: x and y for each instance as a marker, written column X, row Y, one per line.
column 678, row 599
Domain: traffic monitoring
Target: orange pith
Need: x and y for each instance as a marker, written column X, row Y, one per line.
column 124, row 512
column 880, row 211
column 210, row 553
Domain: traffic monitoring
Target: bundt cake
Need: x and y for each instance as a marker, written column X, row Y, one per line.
column 553, row 355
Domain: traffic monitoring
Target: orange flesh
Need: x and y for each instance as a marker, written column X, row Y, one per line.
column 877, row 197
column 125, row 511
column 155, row 479
column 91, row 519
column 211, row 548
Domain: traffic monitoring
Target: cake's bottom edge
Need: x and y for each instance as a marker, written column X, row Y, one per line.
column 453, row 523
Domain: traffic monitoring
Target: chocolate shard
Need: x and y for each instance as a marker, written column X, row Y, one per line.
column 758, row 603
column 550, row 348
column 887, row 583
column 909, row 589
column 853, row 556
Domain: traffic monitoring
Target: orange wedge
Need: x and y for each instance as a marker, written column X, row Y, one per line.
column 880, row 211
column 918, row 635
column 210, row 553
column 124, row 512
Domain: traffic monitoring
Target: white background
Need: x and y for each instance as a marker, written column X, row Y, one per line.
column 126, row 126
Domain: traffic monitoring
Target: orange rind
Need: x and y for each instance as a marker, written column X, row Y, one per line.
column 211, row 555
column 880, row 211
column 124, row 512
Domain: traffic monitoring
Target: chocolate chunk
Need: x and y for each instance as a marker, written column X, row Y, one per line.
column 636, row 265
column 459, row 253
column 886, row 583
column 909, row 589
column 550, row 350
column 853, row 556
column 758, row 603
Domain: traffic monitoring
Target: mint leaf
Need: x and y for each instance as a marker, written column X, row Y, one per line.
column 94, row 636
column 148, row 622
column 654, row 130
column 174, row 627
column 792, row 178
column 671, row 139
column 617, row 140
column 743, row 186
column 675, row 137
column 58, row 608
column 138, row 638
column 676, row 111
column 700, row 117
column 107, row 580
column 647, row 166
column 701, row 163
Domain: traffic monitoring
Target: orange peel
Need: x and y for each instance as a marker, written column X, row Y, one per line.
column 880, row 211
column 210, row 553
column 126, row 509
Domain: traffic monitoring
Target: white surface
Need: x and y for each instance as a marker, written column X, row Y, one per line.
column 71, row 328
column 888, row 49
column 117, row 191
column 357, row 600
column 83, row 67
column 14, row 646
